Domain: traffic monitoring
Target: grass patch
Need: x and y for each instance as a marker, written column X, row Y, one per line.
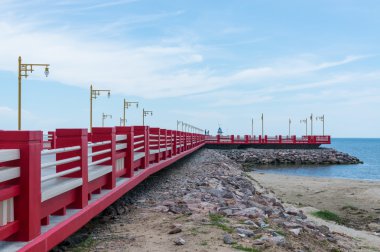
column 220, row 222
column 327, row 215
column 204, row 243
column 242, row 248
column 84, row 245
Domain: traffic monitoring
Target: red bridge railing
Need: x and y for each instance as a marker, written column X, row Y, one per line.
column 247, row 139
column 41, row 177
column 44, row 178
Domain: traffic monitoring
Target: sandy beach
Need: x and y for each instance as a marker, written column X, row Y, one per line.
column 356, row 200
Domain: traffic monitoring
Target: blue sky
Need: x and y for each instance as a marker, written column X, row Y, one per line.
column 204, row 62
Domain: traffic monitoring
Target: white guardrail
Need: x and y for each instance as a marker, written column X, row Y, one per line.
column 6, row 174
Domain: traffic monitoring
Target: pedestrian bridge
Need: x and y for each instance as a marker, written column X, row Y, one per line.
column 50, row 186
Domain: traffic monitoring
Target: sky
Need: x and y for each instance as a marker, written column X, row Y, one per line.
column 207, row 63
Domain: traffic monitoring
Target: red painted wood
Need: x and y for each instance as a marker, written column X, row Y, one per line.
column 27, row 205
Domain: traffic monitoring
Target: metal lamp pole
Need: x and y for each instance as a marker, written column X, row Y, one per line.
column 252, row 128
column 145, row 113
column 105, row 116
column 262, row 125
column 126, row 106
column 322, row 119
column 311, row 124
column 23, row 70
column 122, row 121
column 93, row 94
column 290, row 122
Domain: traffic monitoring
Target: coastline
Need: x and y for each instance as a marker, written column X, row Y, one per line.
column 357, row 202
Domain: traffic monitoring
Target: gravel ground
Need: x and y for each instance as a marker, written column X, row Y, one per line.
column 203, row 203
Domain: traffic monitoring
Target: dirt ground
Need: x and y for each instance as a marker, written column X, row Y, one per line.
column 187, row 196
column 356, row 201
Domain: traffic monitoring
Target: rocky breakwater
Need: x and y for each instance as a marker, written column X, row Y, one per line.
column 209, row 201
column 321, row 156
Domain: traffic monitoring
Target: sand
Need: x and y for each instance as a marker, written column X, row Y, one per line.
column 357, row 202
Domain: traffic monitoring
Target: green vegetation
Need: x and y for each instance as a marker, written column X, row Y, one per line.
column 85, row 245
column 204, row 243
column 327, row 215
column 220, row 222
column 242, row 248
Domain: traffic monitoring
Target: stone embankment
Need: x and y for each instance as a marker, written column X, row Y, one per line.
column 210, row 204
column 321, row 156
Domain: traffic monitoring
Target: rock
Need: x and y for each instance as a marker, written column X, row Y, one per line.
column 291, row 225
column 251, row 212
column 375, row 227
column 175, row 230
column 323, row 229
column 227, row 238
column 245, row 232
column 179, row 241
column 250, row 223
column 162, row 209
column 295, row 231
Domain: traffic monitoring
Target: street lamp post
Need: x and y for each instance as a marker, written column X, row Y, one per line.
column 93, row 94
column 23, row 70
column 145, row 113
column 252, row 128
column 122, row 121
column 290, row 122
column 105, row 116
column 322, row 119
column 304, row 121
column 178, row 123
column 262, row 125
column 311, row 124
column 126, row 106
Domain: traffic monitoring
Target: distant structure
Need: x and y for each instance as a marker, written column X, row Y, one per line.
column 220, row 131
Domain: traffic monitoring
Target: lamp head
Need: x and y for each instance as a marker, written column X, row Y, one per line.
column 109, row 94
column 46, row 71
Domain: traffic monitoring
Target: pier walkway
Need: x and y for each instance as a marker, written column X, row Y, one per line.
column 51, row 186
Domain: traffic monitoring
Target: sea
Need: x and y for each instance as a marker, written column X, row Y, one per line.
column 366, row 149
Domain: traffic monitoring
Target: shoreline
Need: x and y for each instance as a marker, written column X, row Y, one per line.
column 268, row 171
column 356, row 201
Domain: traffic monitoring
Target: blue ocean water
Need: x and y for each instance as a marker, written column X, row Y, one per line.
column 367, row 150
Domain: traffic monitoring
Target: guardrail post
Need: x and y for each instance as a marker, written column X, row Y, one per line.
column 70, row 138
column 218, row 138
column 280, row 139
column 246, row 139
column 107, row 134
column 163, row 143
column 53, row 140
column 169, row 135
column 232, row 139
column 129, row 151
column 265, row 139
column 27, row 205
column 174, row 142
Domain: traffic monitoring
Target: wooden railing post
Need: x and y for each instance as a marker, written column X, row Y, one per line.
column 174, row 142
column 107, row 134
column 169, row 144
column 129, row 151
column 53, row 140
column 70, row 138
column 27, row 205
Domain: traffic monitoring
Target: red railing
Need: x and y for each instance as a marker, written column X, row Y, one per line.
column 310, row 140
column 37, row 184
